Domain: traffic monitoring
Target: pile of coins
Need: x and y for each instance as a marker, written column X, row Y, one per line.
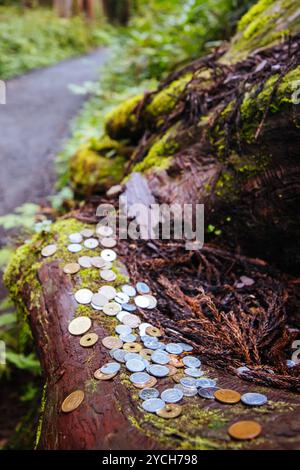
column 138, row 347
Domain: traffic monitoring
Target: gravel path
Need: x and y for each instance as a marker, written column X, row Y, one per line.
column 33, row 125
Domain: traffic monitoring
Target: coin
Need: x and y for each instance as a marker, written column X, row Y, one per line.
column 108, row 291
column 104, row 231
column 97, row 262
column 121, row 315
column 135, row 365
column 121, row 298
column 191, row 361
column 141, row 301
column 152, row 301
column 129, row 307
column 172, row 370
column 71, row 268
column 139, row 377
column 225, row 395
column 108, row 242
column 205, row 383
column 153, row 331
column 290, row 363
column 153, row 404
column 142, row 288
column 147, row 393
column 254, row 399
column 85, row 261
column 158, row 371
column 75, row 238
column 95, row 307
column 83, row 296
column 143, row 327
column 72, row 401
column 119, row 355
column 108, row 275
column 74, row 247
column 132, row 347
column 87, row 232
column 110, row 368
column 88, row 340
column 79, row 325
column 146, row 353
column 186, row 347
column 99, row 300
column 170, row 411
column 243, row 370
column 101, row 376
column 131, row 320
column 91, row 243
column 171, row 395
column 148, row 384
column 114, row 191
column 188, row 382
column 129, row 338
column 160, row 357
column 208, row 392
column 132, row 355
column 129, row 290
column 111, row 308
column 244, row 430
column 49, row 250
column 193, row 372
column 107, row 265
column 108, row 255
column 174, row 348
column 186, row 391
column 123, row 329
column 111, row 342
column 175, row 361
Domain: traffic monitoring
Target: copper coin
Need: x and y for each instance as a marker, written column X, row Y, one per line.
column 175, row 361
column 172, row 370
column 225, row 395
column 71, row 268
column 112, row 342
column 244, row 430
column 146, row 353
column 72, row 401
column 101, row 376
column 170, row 410
column 88, row 340
column 149, row 384
column 153, row 331
column 132, row 347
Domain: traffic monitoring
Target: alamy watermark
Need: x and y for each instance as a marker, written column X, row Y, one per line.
column 2, row 92
column 296, row 92
column 2, row 353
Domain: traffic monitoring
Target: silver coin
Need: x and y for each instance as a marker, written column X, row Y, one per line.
column 111, row 308
column 110, row 368
column 129, row 307
column 74, row 247
column 152, row 345
column 188, row 382
column 98, row 262
column 174, row 348
column 135, row 365
column 171, row 395
column 191, row 361
column 243, row 370
column 79, row 325
column 147, row 393
column 87, row 232
column 131, row 355
column 207, row 392
column 290, row 363
column 158, row 371
column 85, row 261
column 75, row 237
column 139, row 377
column 152, row 301
column 141, row 301
column 107, row 265
column 193, row 372
column 49, row 250
column 108, row 255
column 119, row 355
column 91, row 243
column 121, row 315
column 142, row 288
column 186, row 391
column 99, row 300
column 121, row 298
column 83, row 296
column 142, row 328
column 129, row 338
column 108, row 242
column 254, row 399
column 131, row 320
column 161, row 346
column 160, row 357
column 150, row 339
column 153, row 404
column 108, row 275
column 104, row 231
column 205, row 383
column 129, row 290
column 108, row 291
column 123, row 329
column 186, row 347
column 95, row 307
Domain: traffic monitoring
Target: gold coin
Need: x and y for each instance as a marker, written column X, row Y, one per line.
column 146, row 353
column 71, row 268
column 149, row 384
column 153, row 331
column 100, row 376
column 172, row 370
column 171, row 410
column 132, row 347
column 225, row 395
column 244, row 430
column 112, row 342
column 175, row 361
column 72, row 401
column 88, row 340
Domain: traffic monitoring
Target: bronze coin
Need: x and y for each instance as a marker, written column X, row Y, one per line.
column 112, row 342
column 88, row 340
column 132, row 347
column 175, row 361
column 172, row 370
column 171, row 410
column 71, row 268
column 149, row 384
column 153, row 331
column 225, row 395
column 100, row 376
column 72, row 401
column 146, row 353
column 244, row 430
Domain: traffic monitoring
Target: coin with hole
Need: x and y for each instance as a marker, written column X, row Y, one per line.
column 75, row 237
column 79, row 325
column 71, row 268
column 111, row 342
column 111, row 309
column 108, row 255
column 153, row 331
column 49, row 250
column 85, row 261
column 88, row 340
column 146, row 353
column 132, row 347
column 170, row 411
column 74, row 247
column 83, row 296
column 72, row 401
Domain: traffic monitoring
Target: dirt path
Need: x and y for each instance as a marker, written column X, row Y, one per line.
column 33, row 125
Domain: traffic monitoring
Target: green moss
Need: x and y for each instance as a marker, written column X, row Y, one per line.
column 40, row 421
column 121, row 122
